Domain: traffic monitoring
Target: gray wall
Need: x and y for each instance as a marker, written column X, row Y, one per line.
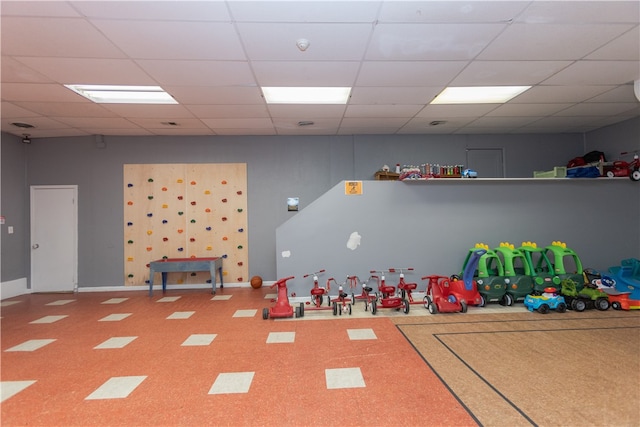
column 15, row 209
column 278, row 167
column 431, row 225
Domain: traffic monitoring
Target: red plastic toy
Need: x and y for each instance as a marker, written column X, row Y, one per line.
column 367, row 295
column 623, row 168
column 387, row 297
column 405, row 288
column 318, row 293
column 439, row 299
column 282, row 307
column 342, row 303
column 467, row 289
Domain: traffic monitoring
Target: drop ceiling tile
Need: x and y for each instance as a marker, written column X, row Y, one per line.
column 625, row 47
column 500, row 73
column 97, row 122
column 38, row 92
column 174, row 39
column 172, row 111
column 115, row 131
column 215, row 95
column 561, row 94
column 497, row 122
column 623, row 93
column 161, row 10
column 89, row 70
column 55, row 37
column 247, row 123
column 244, row 131
column 292, row 74
column 396, row 110
column 228, row 111
column 181, row 131
column 565, row 12
column 14, row 71
column 306, row 112
column 199, row 73
column 541, row 41
column 430, row 42
column 156, row 124
column 304, row 11
column 361, row 95
column 597, row 109
column 277, row 41
column 329, row 124
column 408, row 73
column 444, row 111
column 38, row 8
column 67, row 109
column 11, row 110
column 381, row 122
column 596, row 73
column 448, row 11
column 528, row 110
column 367, row 130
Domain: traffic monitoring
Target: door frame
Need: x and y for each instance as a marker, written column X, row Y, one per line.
column 32, row 213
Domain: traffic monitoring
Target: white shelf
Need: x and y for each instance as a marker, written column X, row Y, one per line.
column 467, row 180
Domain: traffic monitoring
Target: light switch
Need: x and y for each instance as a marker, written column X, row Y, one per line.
column 10, row 229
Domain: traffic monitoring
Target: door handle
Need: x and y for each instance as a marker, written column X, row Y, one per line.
column 35, row 246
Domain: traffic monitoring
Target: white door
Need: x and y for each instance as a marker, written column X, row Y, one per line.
column 54, row 240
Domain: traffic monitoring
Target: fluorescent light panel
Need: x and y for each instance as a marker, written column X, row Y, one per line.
column 108, row 94
column 306, row 95
column 478, row 94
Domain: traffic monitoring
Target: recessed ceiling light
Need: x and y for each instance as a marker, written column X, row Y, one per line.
column 22, row 125
column 478, row 94
column 107, row 94
column 306, row 123
column 306, row 95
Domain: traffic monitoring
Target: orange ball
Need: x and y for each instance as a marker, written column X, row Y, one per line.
column 256, row 282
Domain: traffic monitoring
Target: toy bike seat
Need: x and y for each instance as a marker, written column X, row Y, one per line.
column 368, row 289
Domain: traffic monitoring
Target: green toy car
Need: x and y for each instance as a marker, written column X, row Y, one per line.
column 489, row 277
column 563, row 260
column 587, row 297
column 540, row 268
column 517, row 272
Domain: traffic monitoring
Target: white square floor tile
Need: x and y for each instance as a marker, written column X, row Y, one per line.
column 361, row 334
column 8, row 303
column 245, row 313
column 115, row 317
column 168, row 299
column 114, row 301
column 232, row 382
column 199, row 339
column 116, row 388
column 11, row 388
column 31, row 345
column 221, row 297
column 61, row 302
column 344, row 378
column 270, row 296
column 115, row 342
column 49, row 319
column 181, row 315
column 281, row 337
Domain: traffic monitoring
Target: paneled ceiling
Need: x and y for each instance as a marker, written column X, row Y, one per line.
column 581, row 57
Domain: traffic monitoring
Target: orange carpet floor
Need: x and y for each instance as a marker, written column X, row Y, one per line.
column 189, row 358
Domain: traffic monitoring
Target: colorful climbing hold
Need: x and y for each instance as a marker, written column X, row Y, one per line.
column 239, row 246
column 180, row 249
column 239, row 209
column 129, row 224
column 193, row 221
column 129, row 185
column 150, row 180
column 150, row 197
column 240, row 263
column 207, row 210
column 129, row 259
column 165, row 206
column 149, row 214
column 130, row 203
column 208, row 228
column 207, row 191
column 149, row 248
column 225, row 238
column 193, row 203
column 164, row 221
column 180, row 230
column 180, row 213
column 224, row 200
column 165, row 239
column 149, row 232
column 224, row 218
column 179, row 181
column 164, row 188
column 239, row 193
column 192, row 239
column 240, row 230
column 130, row 242
column 179, row 197
column 130, row 276
column 193, row 183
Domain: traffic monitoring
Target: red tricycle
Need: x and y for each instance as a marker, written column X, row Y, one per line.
column 367, row 294
column 405, row 288
column 342, row 303
column 623, row 168
column 387, row 297
column 439, row 299
column 282, row 307
column 318, row 293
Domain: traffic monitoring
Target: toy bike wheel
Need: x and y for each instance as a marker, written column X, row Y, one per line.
column 433, row 309
column 374, row 307
column 463, row 306
column 265, row 313
column 427, row 301
column 301, row 309
column 406, row 307
column 349, row 309
column 316, row 300
column 335, row 308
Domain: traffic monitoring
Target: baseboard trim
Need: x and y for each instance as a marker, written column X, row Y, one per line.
column 14, row 288
column 159, row 287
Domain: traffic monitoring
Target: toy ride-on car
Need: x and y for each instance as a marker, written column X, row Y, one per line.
column 549, row 300
column 581, row 299
column 438, row 298
column 282, row 307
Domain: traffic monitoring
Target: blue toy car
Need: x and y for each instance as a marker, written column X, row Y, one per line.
column 469, row 173
column 549, row 300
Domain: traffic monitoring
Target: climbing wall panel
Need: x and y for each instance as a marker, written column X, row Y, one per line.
column 185, row 211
